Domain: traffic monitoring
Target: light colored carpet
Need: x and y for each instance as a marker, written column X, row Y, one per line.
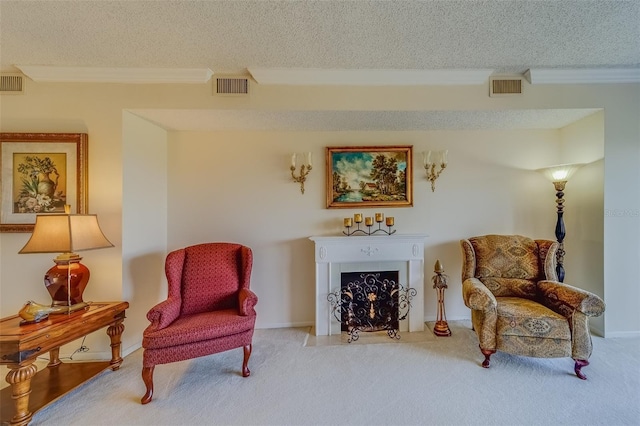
column 435, row 382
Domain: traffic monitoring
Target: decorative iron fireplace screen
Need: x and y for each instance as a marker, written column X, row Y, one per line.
column 370, row 302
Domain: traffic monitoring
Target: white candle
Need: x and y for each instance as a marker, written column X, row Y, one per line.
column 427, row 160
column 293, row 160
column 444, row 156
column 309, row 159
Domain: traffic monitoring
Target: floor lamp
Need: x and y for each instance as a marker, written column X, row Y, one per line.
column 559, row 175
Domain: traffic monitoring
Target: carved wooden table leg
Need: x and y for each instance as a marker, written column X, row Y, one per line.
column 54, row 358
column 19, row 377
column 115, row 334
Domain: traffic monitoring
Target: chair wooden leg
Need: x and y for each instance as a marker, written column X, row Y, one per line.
column 487, row 354
column 245, row 362
column 578, row 368
column 147, row 377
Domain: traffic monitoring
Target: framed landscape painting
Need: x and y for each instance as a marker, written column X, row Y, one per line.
column 376, row 176
column 41, row 173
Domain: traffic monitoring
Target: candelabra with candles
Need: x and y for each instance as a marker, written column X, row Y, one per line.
column 304, row 171
column 430, row 165
column 368, row 222
column 441, row 328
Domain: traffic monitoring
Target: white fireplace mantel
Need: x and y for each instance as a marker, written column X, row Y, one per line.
column 335, row 254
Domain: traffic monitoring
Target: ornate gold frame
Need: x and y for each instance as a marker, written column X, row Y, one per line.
column 346, row 162
column 75, row 144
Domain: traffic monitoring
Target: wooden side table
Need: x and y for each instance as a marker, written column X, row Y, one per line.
column 20, row 345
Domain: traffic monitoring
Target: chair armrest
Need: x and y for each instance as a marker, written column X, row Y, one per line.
column 247, row 300
column 164, row 313
column 565, row 299
column 477, row 296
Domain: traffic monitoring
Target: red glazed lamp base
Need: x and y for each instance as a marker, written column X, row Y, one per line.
column 67, row 280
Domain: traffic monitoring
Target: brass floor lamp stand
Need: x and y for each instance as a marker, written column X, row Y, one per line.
column 441, row 328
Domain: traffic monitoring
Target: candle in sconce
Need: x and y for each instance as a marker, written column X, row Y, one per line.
column 389, row 221
column 379, row 217
column 444, row 156
column 368, row 221
column 357, row 218
column 309, row 159
column 347, row 222
column 293, row 161
column 427, row 158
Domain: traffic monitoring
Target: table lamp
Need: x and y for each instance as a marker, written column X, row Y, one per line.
column 66, row 234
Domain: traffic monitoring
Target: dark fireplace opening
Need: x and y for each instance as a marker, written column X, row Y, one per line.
column 370, row 301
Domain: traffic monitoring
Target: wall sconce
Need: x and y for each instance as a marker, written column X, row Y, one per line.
column 431, row 161
column 559, row 175
column 304, row 171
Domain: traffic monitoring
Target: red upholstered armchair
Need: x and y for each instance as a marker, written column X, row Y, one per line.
column 210, row 308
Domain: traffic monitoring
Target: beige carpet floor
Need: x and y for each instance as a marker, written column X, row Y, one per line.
column 436, row 381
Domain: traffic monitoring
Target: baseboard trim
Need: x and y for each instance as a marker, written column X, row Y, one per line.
column 596, row 331
column 285, row 325
column 623, row 334
column 99, row 356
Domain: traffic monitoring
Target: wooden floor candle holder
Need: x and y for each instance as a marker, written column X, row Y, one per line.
column 441, row 328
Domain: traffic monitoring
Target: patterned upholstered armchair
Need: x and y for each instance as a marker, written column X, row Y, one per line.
column 209, row 309
column 517, row 304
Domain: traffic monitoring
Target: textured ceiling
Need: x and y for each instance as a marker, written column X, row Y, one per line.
column 231, row 36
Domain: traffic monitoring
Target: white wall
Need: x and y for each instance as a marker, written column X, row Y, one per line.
column 475, row 177
column 236, row 186
column 144, row 221
column 583, row 142
column 70, row 109
column 622, row 214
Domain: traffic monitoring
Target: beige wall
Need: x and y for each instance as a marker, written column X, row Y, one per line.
column 235, row 186
column 241, row 189
column 584, row 206
column 144, row 220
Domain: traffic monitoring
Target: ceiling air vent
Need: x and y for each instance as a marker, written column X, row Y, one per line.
column 231, row 86
column 11, row 84
column 505, row 86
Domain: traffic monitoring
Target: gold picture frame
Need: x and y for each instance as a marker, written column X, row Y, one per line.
column 369, row 176
column 41, row 172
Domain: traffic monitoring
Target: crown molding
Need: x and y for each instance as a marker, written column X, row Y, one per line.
column 40, row 73
column 369, row 77
column 583, row 75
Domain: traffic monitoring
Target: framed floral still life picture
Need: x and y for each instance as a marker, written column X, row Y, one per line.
column 41, row 173
column 376, row 176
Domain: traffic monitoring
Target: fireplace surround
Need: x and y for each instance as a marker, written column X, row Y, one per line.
column 368, row 254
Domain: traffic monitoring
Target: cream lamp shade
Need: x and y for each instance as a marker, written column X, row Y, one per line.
column 559, row 175
column 560, row 172
column 66, row 233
